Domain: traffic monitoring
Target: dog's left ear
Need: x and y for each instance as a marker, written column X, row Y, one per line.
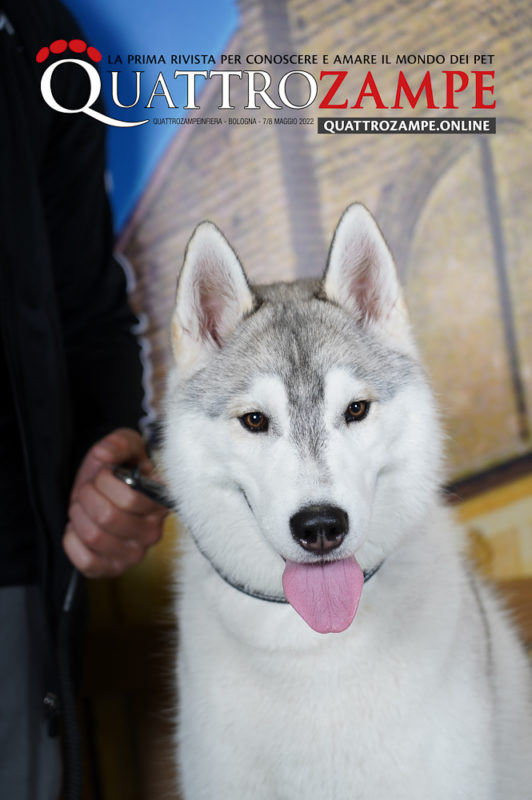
column 212, row 296
column 361, row 276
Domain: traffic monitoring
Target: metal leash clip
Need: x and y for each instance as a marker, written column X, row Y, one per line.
column 132, row 476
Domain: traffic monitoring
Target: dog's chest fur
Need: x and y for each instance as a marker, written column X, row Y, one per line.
column 381, row 711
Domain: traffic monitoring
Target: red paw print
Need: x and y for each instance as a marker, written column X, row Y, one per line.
column 75, row 46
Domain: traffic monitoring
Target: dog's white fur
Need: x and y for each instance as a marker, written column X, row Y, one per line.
column 427, row 693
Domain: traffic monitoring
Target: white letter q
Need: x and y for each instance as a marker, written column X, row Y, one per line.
column 95, row 88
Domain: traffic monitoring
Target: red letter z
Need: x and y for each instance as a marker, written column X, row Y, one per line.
column 326, row 102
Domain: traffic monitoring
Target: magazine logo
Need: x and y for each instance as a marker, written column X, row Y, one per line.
column 77, row 46
column 297, row 90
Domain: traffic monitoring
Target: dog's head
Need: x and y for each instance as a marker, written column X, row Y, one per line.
column 301, row 436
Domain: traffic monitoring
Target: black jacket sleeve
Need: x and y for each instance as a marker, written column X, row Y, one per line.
column 103, row 363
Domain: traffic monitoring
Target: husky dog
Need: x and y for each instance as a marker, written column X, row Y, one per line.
column 334, row 644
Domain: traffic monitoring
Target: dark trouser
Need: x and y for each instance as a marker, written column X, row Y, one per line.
column 30, row 762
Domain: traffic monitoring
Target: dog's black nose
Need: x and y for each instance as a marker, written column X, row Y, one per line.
column 319, row 529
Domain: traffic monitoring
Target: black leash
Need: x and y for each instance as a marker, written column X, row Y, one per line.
column 72, row 736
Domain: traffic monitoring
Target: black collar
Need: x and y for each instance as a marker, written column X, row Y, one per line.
column 155, row 491
column 272, row 598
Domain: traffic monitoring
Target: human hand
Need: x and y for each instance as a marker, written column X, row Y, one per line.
column 111, row 526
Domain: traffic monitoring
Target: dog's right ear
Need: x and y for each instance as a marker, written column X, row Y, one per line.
column 212, row 296
column 361, row 277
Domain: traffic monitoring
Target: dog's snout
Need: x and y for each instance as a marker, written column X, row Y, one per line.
column 319, row 529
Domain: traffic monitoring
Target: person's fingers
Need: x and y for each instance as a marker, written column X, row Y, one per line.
column 113, row 520
column 123, row 496
column 94, row 565
column 120, row 446
column 110, row 524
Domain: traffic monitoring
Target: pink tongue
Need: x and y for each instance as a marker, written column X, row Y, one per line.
column 326, row 595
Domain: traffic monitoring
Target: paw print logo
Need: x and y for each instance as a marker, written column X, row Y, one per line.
column 71, row 52
column 77, row 46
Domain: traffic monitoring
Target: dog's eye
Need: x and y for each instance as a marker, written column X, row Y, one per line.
column 255, row 421
column 357, row 411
